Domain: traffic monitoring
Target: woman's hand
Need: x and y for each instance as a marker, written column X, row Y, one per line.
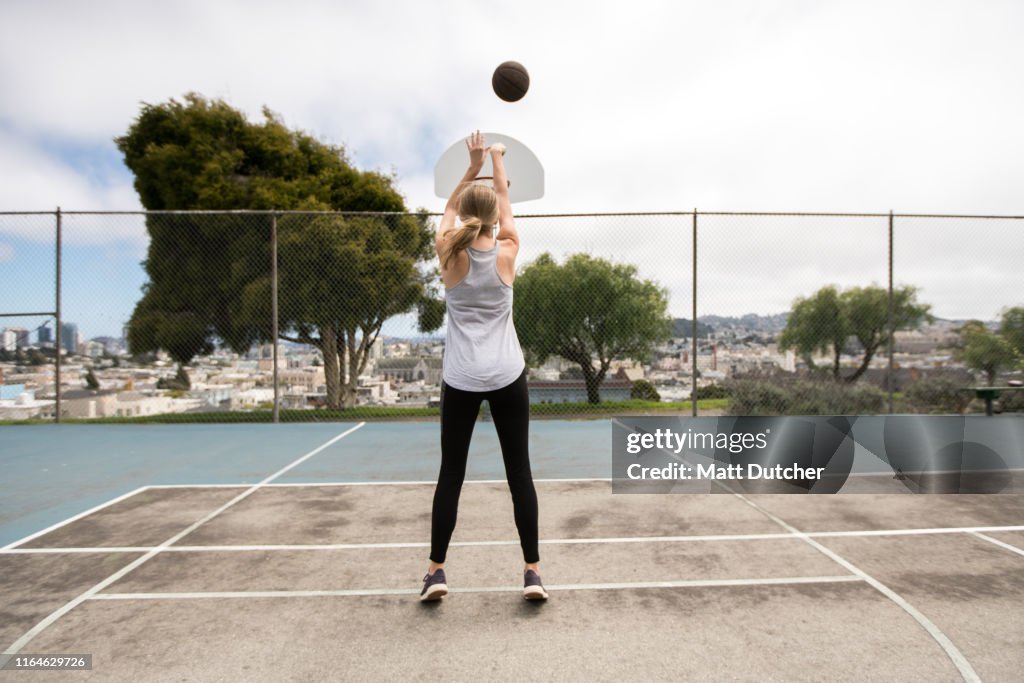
column 477, row 149
column 497, row 148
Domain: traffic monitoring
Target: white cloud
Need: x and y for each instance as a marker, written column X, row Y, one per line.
column 6, row 252
column 639, row 106
column 647, row 105
column 35, row 180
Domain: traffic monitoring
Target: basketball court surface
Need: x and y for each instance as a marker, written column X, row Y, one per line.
column 296, row 552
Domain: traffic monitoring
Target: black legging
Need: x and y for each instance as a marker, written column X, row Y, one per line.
column 510, row 409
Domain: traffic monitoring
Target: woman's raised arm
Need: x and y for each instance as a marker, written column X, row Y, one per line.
column 506, row 223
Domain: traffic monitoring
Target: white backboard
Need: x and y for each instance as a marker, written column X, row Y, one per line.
column 525, row 174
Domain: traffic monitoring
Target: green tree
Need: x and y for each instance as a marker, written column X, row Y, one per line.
column 340, row 280
column 711, row 391
column 209, row 276
column 867, row 311
column 984, row 350
column 826, row 321
column 1012, row 328
column 90, row 380
column 643, row 390
column 179, row 383
column 181, row 379
column 817, row 324
column 590, row 312
column 938, row 393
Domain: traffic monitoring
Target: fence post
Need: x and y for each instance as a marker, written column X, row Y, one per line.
column 57, row 335
column 892, row 332
column 273, row 308
column 693, row 325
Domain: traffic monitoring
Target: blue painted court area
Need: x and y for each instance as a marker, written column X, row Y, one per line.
column 53, row 472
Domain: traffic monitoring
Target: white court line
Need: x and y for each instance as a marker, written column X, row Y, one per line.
column 15, row 648
column 77, row 517
column 912, row 532
column 697, row 583
column 1001, row 544
column 59, row 551
column 365, row 483
column 951, row 650
column 548, row 541
column 967, row 672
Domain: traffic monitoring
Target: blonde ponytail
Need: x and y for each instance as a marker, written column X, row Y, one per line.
column 458, row 239
column 477, row 208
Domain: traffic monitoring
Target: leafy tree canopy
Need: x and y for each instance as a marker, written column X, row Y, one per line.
column 984, row 350
column 827, row 320
column 204, row 154
column 1012, row 328
column 209, row 275
column 589, row 311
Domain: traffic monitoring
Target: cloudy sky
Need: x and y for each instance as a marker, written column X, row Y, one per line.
column 633, row 106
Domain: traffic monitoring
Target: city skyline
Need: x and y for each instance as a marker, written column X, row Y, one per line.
column 965, row 268
column 45, row 337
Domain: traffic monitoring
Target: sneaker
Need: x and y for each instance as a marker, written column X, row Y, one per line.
column 434, row 586
column 533, row 589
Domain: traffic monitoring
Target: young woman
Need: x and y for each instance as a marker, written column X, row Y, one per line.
column 482, row 361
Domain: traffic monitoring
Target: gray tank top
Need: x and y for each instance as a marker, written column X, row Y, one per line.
column 481, row 350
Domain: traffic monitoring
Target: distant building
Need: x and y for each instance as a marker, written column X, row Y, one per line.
column 397, row 349
column 926, row 340
column 575, row 391
column 20, row 336
column 544, row 373
column 416, row 393
column 88, row 403
column 45, row 336
column 134, row 404
column 251, row 398
column 23, row 405
column 9, row 392
column 302, row 380
column 629, row 373
column 111, row 345
column 92, row 403
column 410, row 369
column 93, row 349
column 31, row 377
column 69, row 337
column 376, row 351
column 213, row 395
column 375, row 392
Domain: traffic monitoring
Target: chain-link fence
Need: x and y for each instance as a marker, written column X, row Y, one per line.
column 288, row 316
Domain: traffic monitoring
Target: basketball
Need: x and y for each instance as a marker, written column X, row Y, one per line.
column 510, row 81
